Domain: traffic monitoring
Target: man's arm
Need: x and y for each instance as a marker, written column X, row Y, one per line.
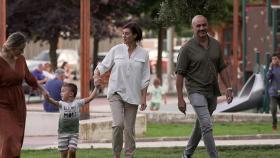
column 225, row 79
column 269, row 72
column 91, row 96
column 42, row 81
column 179, row 87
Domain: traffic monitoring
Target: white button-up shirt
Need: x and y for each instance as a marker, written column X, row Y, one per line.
column 129, row 75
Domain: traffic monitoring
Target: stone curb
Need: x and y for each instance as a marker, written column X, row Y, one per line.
column 254, row 147
column 228, row 137
column 171, row 117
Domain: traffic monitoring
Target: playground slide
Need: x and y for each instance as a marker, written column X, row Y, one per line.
column 251, row 96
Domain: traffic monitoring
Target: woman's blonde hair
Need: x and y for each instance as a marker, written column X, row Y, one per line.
column 16, row 40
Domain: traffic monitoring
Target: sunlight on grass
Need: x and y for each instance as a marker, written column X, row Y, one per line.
column 183, row 130
column 178, row 130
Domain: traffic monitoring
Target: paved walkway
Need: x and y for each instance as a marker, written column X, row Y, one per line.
column 101, row 104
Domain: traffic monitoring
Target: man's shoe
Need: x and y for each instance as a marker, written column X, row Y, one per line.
column 117, row 156
column 186, row 156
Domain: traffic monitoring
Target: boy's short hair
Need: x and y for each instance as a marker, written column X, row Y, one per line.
column 157, row 81
column 73, row 88
column 276, row 55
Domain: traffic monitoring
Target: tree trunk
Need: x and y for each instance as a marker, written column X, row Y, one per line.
column 95, row 53
column 95, row 59
column 52, row 51
column 170, row 65
column 159, row 57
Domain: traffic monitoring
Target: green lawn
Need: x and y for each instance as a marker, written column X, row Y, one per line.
column 177, row 130
column 253, row 152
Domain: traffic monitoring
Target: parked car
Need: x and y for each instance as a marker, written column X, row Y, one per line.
column 164, row 57
column 64, row 55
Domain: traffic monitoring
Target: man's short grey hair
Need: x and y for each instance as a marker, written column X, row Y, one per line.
column 195, row 17
column 59, row 72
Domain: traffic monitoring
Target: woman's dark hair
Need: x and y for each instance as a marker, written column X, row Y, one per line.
column 276, row 55
column 135, row 29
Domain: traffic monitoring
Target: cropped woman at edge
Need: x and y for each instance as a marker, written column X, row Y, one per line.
column 12, row 101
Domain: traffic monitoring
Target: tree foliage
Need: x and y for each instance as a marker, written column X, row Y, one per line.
column 48, row 20
column 182, row 11
column 107, row 15
column 146, row 13
column 44, row 20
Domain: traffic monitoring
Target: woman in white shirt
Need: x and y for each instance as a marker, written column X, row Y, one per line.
column 127, row 88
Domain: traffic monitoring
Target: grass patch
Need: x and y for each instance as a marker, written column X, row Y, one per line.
column 175, row 130
column 247, row 152
column 179, row 130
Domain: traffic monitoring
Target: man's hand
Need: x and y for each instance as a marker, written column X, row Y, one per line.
column 143, row 106
column 143, row 99
column 182, row 105
column 229, row 95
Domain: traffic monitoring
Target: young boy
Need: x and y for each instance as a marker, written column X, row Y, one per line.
column 69, row 108
column 274, row 88
column 157, row 94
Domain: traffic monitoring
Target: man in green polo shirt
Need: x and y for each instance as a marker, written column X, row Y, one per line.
column 199, row 62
